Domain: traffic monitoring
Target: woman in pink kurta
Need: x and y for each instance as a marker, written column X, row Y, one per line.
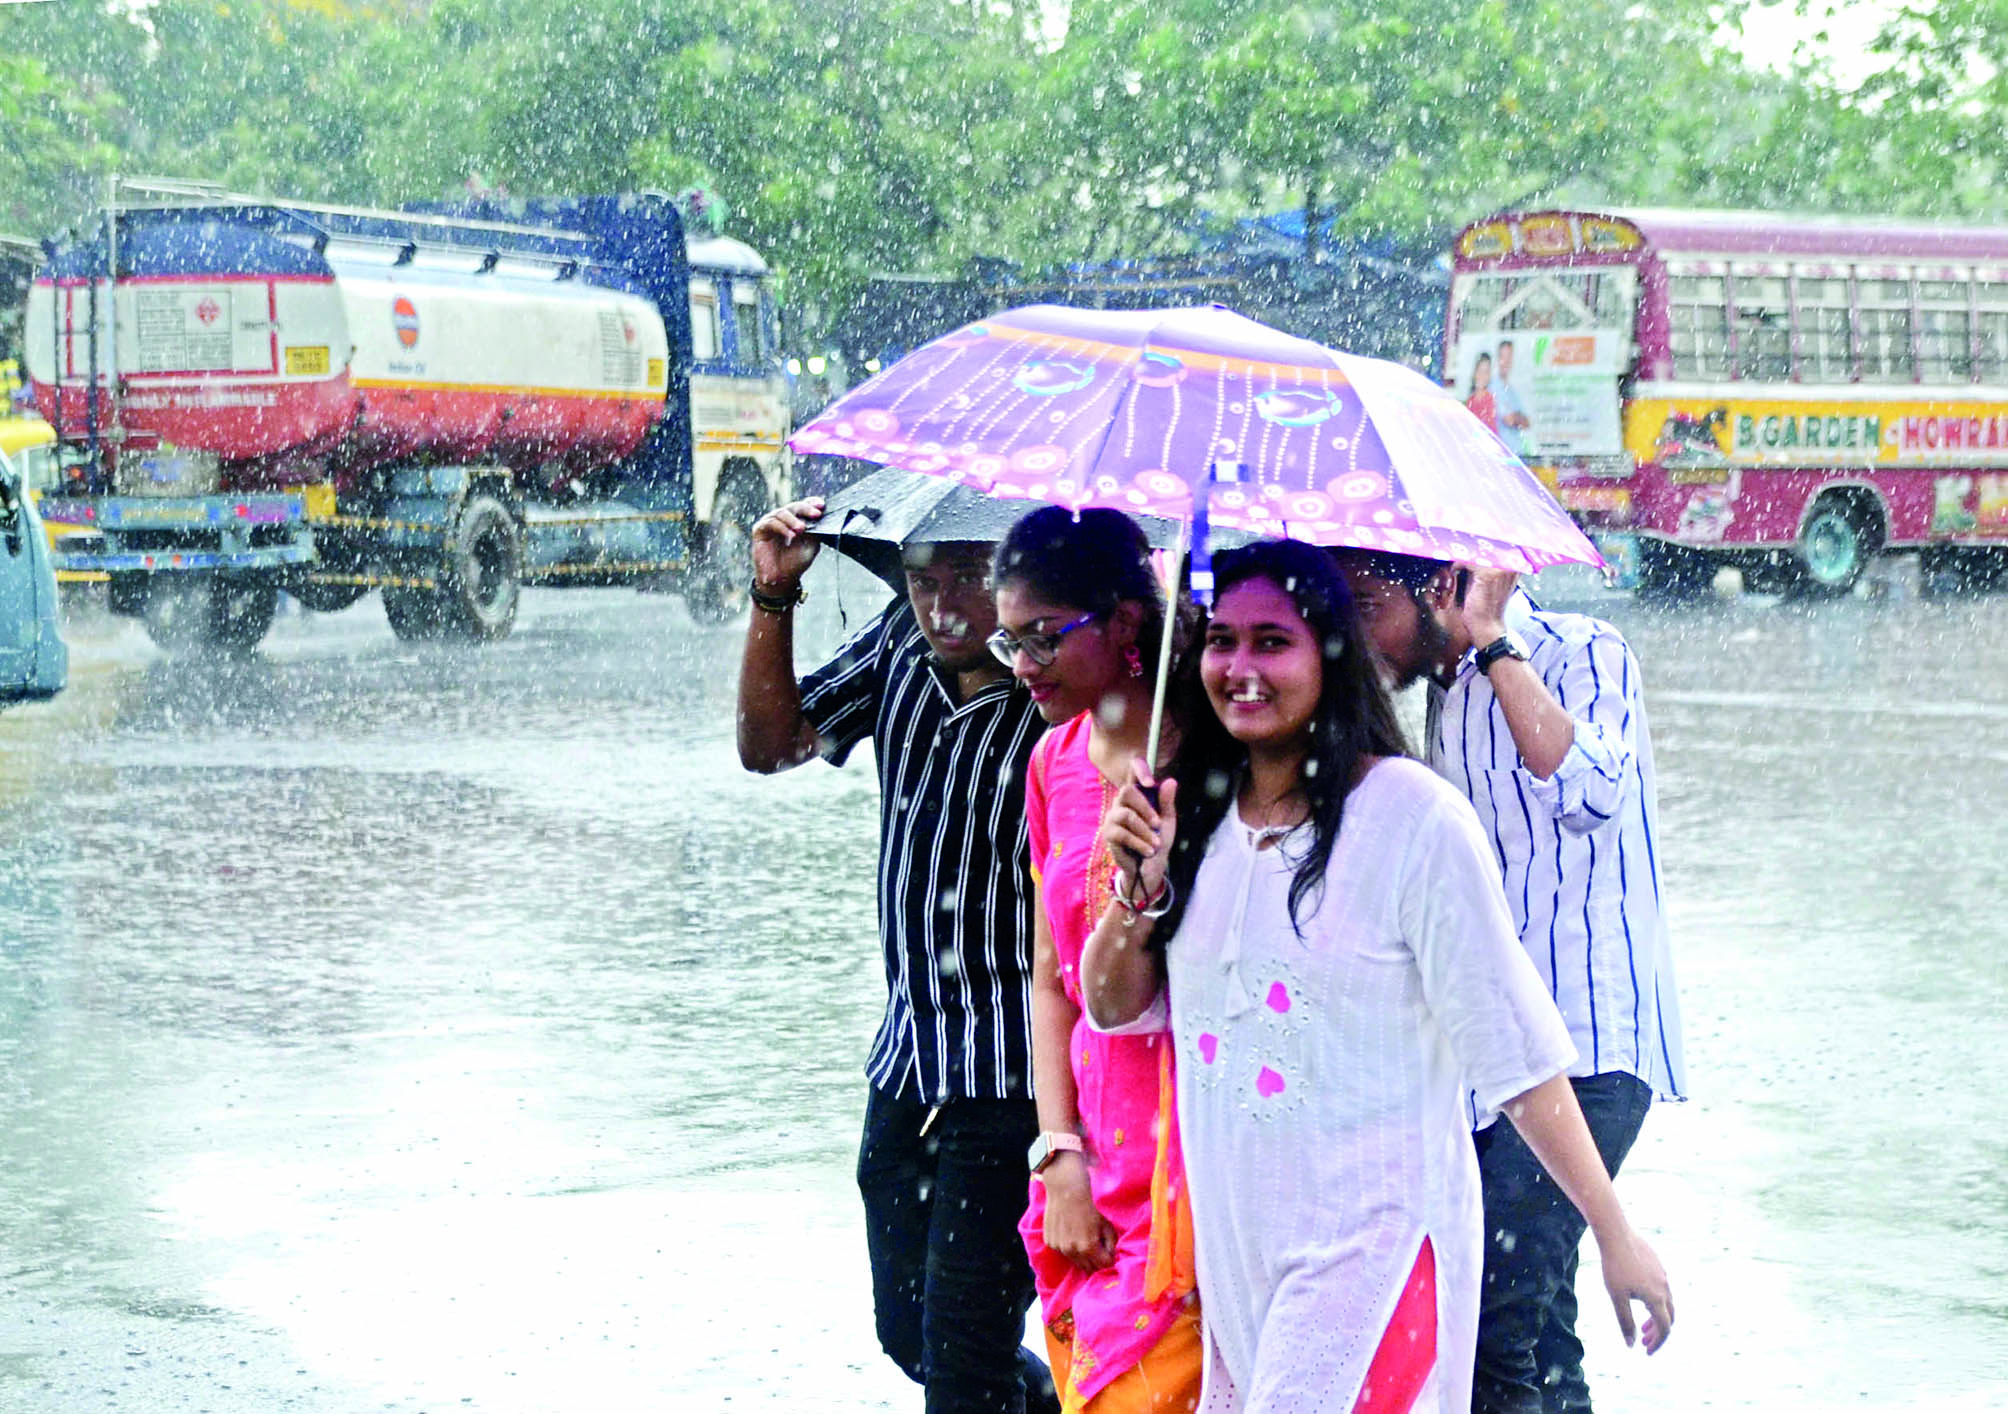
column 1108, row 1229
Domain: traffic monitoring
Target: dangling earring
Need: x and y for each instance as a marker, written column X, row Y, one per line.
column 1133, row 660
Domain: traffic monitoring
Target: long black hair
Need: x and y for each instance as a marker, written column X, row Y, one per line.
column 1354, row 719
column 1093, row 560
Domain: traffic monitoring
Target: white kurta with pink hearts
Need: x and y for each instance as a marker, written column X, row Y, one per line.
column 1322, row 1083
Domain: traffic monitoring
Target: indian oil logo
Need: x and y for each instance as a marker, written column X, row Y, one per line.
column 404, row 319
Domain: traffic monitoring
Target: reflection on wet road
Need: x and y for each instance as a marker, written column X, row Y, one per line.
column 425, row 1029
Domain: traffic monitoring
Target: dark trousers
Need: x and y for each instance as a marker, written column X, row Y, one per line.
column 950, row 1280
column 1529, row 1360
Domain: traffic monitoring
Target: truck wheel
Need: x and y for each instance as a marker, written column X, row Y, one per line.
column 1962, row 569
column 1834, row 548
column 326, row 598
column 480, row 581
column 413, row 613
column 1672, row 574
column 715, row 589
column 206, row 614
column 484, row 572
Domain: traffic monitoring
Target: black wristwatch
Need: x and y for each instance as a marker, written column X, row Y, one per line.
column 775, row 603
column 1505, row 646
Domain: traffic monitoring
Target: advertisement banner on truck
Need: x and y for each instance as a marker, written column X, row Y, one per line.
column 1547, row 393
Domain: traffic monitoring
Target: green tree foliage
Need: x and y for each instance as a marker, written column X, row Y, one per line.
column 1400, row 116
column 1940, row 104
column 849, row 137
column 54, row 141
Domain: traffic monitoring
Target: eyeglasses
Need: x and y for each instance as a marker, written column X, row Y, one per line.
column 1041, row 648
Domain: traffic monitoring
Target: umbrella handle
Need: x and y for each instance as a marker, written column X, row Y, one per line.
column 1172, row 569
column 1131, row 857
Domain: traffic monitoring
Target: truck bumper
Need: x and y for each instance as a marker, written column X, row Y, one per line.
column 201, row 534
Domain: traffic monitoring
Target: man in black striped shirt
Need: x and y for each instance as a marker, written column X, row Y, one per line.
column 950, row 1115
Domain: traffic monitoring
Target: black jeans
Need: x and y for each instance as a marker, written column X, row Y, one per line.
column 1529, row 1360
column 950, row 1280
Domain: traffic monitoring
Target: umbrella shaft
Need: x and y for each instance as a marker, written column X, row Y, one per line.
column 1164, row 644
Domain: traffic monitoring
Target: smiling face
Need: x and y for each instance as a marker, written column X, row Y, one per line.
column 1087, row 664
column 1262, row 667
column 949, row 588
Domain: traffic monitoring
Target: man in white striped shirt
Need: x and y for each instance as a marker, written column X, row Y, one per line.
column 1540, row 719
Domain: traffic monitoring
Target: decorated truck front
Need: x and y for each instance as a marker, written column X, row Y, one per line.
column 253, row 397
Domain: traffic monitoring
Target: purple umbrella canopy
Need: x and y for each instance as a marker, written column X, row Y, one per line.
column 1138, row 409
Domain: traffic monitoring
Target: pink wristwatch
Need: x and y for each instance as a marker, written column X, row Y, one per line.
column 1048, row 1147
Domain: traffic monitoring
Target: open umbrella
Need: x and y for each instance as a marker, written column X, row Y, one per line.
column 1203, row 414
column 1141, row 409
column 873, row 518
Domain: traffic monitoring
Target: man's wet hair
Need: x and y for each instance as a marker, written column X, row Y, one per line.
column 1412, row 572
column 921, row 553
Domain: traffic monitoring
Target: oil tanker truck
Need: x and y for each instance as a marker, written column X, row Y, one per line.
column 442, row 404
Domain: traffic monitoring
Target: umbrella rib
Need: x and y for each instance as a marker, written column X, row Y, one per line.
column 1086, row 408
column 976, row 401
column 1317, row 437
column 1045, row 343
column 923, row 382
column 1219, row 406
column 1261, row 456
column 1127, row 381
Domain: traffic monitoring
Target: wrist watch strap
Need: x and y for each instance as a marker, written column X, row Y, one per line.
column 1049, row 1146
column 775, row 603
column 1505, row 646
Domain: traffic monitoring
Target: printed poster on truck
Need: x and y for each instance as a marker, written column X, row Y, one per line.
column 1547, row 393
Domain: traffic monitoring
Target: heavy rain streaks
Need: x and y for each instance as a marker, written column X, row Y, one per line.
column 418, row 1027
column 387, row 1022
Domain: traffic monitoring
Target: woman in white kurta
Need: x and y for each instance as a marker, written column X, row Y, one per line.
column 1340, row 970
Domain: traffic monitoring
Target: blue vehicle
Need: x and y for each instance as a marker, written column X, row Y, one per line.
column 34, row 663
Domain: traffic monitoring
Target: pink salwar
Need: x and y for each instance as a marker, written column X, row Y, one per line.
column 1129, row 1125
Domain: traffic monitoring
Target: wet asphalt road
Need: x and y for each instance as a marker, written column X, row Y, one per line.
column 429, row 1029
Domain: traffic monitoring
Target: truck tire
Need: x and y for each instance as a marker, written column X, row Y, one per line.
column 480, row 581
column 191, row 614
column 1672, row 574
column 1950, row 570
column 413, row 613
column 1835, row 546
column 326, row 598
column 715, row 589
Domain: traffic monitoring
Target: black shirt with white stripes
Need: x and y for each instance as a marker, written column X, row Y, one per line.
column 955, row 893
